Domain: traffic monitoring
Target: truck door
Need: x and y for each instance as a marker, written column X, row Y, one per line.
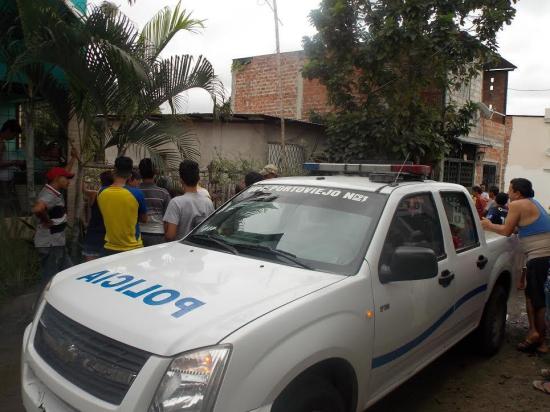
column 468, row 261
column 411, row 321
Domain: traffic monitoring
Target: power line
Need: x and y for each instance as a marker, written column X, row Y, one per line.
column 272, row 9
column 529, row 90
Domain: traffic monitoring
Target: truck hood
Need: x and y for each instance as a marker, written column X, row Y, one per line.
column 174, row 297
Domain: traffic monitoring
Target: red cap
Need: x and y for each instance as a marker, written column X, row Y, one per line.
column 56, row 172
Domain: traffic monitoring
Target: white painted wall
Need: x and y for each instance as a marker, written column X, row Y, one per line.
column 243, row 140
column 526, row 158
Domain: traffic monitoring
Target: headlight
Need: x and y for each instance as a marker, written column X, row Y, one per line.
column 192, row 381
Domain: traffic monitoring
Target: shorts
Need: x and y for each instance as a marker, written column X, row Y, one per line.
column 91, row 250
column 152, row 239
column 537, row 272
column 110, row 252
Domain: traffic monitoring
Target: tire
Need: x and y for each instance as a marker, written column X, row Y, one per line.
column 489, row 335
column 309, row 394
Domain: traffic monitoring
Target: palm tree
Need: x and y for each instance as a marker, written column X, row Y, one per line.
column 166, row 79
column 113, row 70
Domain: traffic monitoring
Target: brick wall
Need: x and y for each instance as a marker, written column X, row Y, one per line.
column 499, row 135
column 255, row 91
column 495, row 84
column 255, row 87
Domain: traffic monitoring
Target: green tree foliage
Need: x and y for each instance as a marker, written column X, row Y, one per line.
column 388, row 65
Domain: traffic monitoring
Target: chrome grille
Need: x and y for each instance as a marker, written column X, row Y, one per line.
column 99, row 365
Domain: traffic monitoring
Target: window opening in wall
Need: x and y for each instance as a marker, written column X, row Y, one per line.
column 492, row 79
column 491, row 87
column 459, row 171
column 490, row 175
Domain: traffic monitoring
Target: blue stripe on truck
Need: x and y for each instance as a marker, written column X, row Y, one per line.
column 393, row 355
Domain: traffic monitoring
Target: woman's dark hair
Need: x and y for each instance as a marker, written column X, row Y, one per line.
column 106, row 178
column 146, row 168
column 477, row 189
column 523, row 186
column 190, row 172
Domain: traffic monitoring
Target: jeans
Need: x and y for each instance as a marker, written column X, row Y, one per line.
column 53, row 259
column 152, row 239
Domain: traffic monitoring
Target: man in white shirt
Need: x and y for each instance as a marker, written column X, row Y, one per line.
column 187, row 211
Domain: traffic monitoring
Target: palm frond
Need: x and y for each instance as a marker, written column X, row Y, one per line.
column 115, row 36
column 163, row 26
column 178, row 74
column 168, row 139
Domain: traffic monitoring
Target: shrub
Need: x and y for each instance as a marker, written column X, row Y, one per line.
column 18, row 261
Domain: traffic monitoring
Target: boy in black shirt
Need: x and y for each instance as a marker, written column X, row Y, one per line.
column 497, row 214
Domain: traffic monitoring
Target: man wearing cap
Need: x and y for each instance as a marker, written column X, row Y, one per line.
column 270, row 171
column 51, row 213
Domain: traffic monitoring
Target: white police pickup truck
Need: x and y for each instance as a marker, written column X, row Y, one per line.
column 300, row 294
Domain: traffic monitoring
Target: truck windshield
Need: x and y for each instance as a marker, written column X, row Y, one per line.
column 312, row 227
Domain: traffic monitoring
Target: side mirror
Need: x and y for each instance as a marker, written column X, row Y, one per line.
column 410, row 263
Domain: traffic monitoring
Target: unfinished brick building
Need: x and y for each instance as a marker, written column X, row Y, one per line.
column 484, row 151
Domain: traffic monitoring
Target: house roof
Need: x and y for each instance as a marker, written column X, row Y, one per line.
column 500, row 64
column 248, row 118
column 233, row 118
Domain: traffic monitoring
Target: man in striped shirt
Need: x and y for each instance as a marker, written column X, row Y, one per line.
column 156, row 199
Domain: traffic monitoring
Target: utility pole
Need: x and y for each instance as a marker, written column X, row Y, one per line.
column 280, row 86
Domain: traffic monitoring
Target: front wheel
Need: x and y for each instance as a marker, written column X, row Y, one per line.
column 491, row 330
column 309, row 394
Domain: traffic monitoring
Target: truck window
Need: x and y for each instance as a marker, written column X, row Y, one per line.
column 327, row 229
column 415, row 223
column 461, row 220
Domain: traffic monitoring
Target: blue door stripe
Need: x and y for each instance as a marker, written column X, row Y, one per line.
column 391, row 356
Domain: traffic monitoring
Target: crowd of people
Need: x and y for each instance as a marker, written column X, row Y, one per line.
column 129, row 211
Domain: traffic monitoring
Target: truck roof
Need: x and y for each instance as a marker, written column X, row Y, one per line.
column 353, row 182
column 347, row 182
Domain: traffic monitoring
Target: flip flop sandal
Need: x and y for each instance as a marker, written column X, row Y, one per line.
column 542, row 386
column 527, row 346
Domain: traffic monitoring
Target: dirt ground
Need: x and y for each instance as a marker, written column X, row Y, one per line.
column 458, row 381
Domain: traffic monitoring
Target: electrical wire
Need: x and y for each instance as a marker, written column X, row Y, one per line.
column 529, row 90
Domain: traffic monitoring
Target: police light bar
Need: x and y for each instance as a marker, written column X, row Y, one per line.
column 367, row 168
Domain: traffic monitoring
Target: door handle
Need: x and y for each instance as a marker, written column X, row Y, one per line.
column 482, row 262
column 446, row 278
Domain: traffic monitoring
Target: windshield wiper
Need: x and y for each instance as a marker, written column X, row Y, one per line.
column 275, row 252
column 205, row 238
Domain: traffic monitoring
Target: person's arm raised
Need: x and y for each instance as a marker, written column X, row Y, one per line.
column 509, row 226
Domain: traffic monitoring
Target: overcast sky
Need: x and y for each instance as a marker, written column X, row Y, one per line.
column 242, row 28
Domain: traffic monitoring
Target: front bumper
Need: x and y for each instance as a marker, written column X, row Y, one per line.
column 43, row 389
